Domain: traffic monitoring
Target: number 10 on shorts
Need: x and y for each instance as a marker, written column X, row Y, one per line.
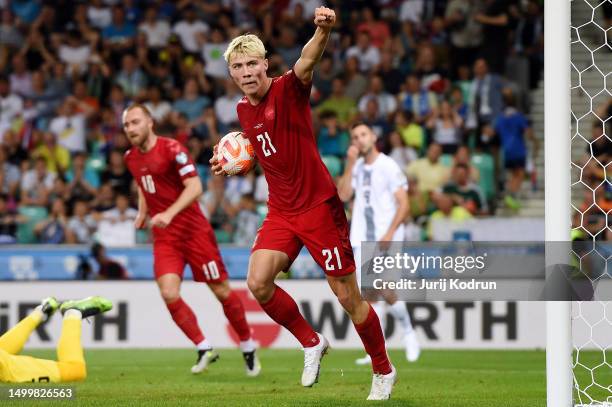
column 329, row 257
column 211, row 272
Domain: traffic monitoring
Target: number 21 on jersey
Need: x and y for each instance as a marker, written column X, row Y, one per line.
column 266, row 144
column 148, row 184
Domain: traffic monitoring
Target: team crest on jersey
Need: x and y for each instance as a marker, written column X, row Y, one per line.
column 181, row 158
column 269, row 113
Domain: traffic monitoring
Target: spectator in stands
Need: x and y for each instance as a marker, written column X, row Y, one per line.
column 108, row 269
column 157, row 30
column 69, row 126
column 116, row 225
column 465, row 32
column 387, row 104
column 391, row 76
column 338, row 102
column 36, row 184
column 378, row 30
column 192, row 104
column 445, row 125
column 417, row 100
column 529, row 40
column 56, row 156
column 15, row 152
column 463, row 157
column 247, row 221
column 10, row 35
column 212, row 54
column 54, row 229
column 45, row 100
column 99, row 14
column 11, row 175
column 332, row 139
column 512, row 128
column 11, row 105
column 322, row 80
column 486, row 96
column 84, row 102
column 9, row 220
column 105, row 199
column 432, row 77
column 83, row 182
column 366, row 53
column 188, row 29
column 287, row 46
column 428, row 171
column 225, row 107
column 411, row 132
column 81, row 224
column 355, row 83
column 75, row 52
column 458, row 103
column 465, row 193
column 377, row 122
column 131, row 78
column 159, row 108
column 495, row 20
column 20, row 78
column 116, row 173
column 119, row 36
column 399, row 152
column 448, row 210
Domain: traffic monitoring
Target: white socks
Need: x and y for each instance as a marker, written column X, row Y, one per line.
column 247, row 346
column 400, row 313
column 204, row 345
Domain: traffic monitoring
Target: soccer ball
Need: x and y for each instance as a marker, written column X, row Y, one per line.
column 235, row 154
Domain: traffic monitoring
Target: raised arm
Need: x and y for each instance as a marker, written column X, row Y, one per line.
column 191, row 192
column 324, row 19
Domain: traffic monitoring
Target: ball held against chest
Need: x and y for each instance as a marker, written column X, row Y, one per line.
column 235, row 154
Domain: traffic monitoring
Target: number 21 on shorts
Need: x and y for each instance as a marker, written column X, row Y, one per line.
column 329, row 259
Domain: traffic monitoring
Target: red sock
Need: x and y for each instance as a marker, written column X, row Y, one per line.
column 284, row 311
column 374, row 342
column 234, row 311
column 184, row 317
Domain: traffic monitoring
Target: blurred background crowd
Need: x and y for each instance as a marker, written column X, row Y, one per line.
column 445, row 84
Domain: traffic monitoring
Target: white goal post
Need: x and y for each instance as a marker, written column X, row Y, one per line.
column 557, row 180
column 576, row 58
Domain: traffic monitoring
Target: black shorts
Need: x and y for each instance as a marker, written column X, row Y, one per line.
column 515, row 164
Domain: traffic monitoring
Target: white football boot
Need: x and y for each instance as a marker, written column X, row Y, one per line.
column 312, row 361
column 382, row 385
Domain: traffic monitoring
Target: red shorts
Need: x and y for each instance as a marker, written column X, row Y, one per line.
column 323, row 229
column 200, row 251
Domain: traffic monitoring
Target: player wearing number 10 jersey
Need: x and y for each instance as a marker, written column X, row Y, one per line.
column 168, row 188
column 304, row 208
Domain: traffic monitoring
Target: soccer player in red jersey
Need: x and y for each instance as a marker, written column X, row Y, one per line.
column 168, row 188
column 304, row 207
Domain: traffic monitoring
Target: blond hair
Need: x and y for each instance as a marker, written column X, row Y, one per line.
column 247, row 44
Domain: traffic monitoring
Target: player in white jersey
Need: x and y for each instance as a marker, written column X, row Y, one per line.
column 379, row 210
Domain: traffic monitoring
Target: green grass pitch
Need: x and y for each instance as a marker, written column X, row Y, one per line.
column 440, row 378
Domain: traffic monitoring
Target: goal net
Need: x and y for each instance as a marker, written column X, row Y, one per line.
column 591, row 195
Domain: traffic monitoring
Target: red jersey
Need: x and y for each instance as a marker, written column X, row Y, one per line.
column 280, row 129
column 160, row 173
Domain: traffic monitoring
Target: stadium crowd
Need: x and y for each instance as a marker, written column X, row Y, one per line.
column 444, row 83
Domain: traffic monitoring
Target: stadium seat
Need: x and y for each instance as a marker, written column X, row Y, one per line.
column 486, row 166
column 446, row 160
column 25, row 231
column 333, row 164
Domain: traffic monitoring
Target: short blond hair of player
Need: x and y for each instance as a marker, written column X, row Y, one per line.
column 247, row 44
column 70, row 365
